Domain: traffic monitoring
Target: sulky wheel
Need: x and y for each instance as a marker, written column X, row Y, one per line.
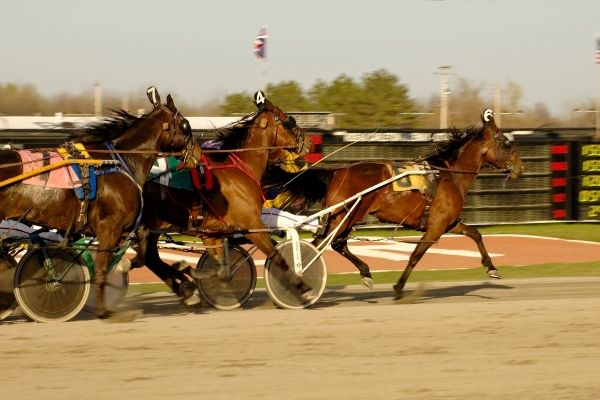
column 229, row 292
column 52, row 284
column 278, row 283
column 8, row 303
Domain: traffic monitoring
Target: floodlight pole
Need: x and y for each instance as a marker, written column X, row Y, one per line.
column 97, row 100
column 497, row 105
column 443, row 71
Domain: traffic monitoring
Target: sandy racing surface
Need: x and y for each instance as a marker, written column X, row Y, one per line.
column 507, row 339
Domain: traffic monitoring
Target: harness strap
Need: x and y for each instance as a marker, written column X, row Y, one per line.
column 234, row 162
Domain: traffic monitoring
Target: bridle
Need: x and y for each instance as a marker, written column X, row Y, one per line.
column 289, row 124
column 172, row 127
column 502, row 144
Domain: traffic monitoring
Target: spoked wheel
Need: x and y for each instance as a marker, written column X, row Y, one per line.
column 278, row 283
column 229, row 292
column 117, row 284
column 8, row 303
column 54, row 296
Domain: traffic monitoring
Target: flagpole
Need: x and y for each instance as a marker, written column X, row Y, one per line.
column 263, row 68
column 260, row 51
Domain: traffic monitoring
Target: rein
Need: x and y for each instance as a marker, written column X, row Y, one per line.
column 237, row 163
column 246, row 149
column 456, row 171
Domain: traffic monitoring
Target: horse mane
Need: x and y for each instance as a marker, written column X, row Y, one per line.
column 233, row 136
column 448, row 150
column 310, row 185
column 109, row 128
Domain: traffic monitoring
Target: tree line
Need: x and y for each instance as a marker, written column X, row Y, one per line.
column 377, row 99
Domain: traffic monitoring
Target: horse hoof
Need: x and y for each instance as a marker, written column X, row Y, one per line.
column 186, row 289
column 192, row 300
column 367, row 282
column 104, row 314
column 493, row 273
column 398, row 290
column 125, row 316
column 306, row 297
column 181, row 265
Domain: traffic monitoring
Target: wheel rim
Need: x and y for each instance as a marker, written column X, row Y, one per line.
column 232, row 292
column 277, row 282
column 45, row 299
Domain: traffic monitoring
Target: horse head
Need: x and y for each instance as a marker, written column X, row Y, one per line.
column 176, row 129
column 282, row 132
column 498, row 150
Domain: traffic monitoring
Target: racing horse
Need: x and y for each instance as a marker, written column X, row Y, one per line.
column 458, row 160
column 135, row 142
column 232, row 204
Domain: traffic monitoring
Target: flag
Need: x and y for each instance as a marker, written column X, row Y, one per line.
column 260, row 44
column 597, row 50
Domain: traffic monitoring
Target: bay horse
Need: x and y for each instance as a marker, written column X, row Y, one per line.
column 135, row 142
column 458, row 161
column 232, row 204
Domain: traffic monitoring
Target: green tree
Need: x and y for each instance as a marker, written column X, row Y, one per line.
column 238, row 103
column 385, row 101
column 378, row 101
column 288, row 95
column 337, row 97
column 20, row 99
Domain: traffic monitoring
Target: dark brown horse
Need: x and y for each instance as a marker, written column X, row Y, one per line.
column 458, row 161
column 135, row 142
column 234, row 202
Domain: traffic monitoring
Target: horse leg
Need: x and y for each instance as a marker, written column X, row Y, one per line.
column 341, row 246
column 425, row 242
column 265, row 245
column 106, row 244
column 474, row 234
column 176, row 280
column 215, row 247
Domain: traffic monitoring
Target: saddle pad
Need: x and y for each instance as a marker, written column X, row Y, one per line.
column 409, row 182
column 59, row 178
column 164, row 173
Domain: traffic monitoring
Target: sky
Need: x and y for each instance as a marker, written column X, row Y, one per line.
column 202, row 50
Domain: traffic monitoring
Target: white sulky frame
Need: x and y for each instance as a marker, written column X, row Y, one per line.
column 292, row 233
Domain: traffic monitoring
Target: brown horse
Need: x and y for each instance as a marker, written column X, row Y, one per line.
column 135, row 142
column 458, row 161
column 234, row 202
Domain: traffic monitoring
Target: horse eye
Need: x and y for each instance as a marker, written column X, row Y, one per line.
column 185, row 126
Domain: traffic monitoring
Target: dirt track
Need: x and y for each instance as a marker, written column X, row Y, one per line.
column 509, row 339
column 451, row 252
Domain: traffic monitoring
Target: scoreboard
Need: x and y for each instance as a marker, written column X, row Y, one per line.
column 588, row 190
